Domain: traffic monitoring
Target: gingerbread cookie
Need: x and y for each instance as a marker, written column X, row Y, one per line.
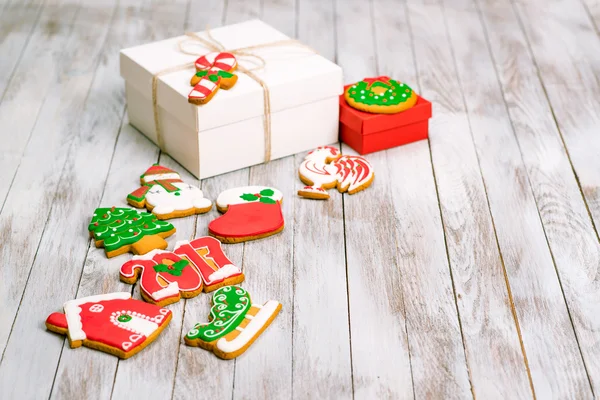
column 251, row 212
column 192, row 267
column 325, row 168
column 113, row 323
column 234, row 323
column 214, row 71
column 120, row 230
column 165, row 195
column 380, row 95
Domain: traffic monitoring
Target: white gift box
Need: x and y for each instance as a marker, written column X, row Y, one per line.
column 228, row 132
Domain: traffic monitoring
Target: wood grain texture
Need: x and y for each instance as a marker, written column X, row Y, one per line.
column 550, row 344
column 570, row 232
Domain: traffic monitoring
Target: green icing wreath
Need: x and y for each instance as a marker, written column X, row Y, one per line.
column 380, row 91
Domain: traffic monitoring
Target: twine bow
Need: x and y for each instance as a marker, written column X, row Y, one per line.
column 244, row 52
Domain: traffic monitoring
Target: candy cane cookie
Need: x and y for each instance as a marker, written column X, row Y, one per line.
column 380, row 95
column 214, row 71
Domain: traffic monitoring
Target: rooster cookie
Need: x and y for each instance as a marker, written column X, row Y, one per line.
column 120, row 230
column 113, row 323
column 325, row 168
column 165, row 195
column 234, row 323
column 380, row 95
column 192, row 267
column 251, row 212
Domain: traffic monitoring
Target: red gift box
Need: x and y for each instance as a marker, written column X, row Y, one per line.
column 367, row 132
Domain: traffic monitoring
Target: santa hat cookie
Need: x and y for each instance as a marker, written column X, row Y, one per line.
column 234, row 323
column 192, row 267
column 251, row 212
column 113, row 323
column 120, row 230
column 165, row 195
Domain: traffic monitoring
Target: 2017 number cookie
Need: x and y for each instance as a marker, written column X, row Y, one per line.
column 380, row 95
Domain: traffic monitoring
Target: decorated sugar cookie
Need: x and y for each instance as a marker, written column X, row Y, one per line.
column 325, row 168
column 234, row 323
column 192, row 267
column 214, row 71
column 113, row 323
column 165, row 195
column 381, row 95
column 251, row 212
column 120, row 230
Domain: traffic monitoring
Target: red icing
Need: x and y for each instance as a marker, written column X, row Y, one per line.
column 57, row 319
column 248, row 219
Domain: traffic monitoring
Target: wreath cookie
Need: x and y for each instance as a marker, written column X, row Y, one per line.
column 380, row 95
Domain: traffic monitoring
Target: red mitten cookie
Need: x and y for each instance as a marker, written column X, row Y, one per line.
column 251, row 212
column 325, row 168
column 113, row 323
column 192, row 267
column 234, row 323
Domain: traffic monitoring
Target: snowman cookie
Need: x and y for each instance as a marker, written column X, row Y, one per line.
column 251, row 212
column 234, row 323
column 113, row 323
column 165, row 195
column 380, row 95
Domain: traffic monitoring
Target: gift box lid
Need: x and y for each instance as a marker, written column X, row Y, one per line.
column 369, row 123
column 294, row 74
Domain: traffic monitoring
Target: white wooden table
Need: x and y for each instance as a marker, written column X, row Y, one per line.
column 470, row 269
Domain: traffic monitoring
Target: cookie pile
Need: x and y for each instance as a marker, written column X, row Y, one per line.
column 120, row 325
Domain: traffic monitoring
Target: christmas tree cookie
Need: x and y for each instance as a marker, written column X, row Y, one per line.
column 380, row 95
column 192, row 267
column 214, row 71
column 165, row 195
column 251, row 212
column 234, row 323
column 325, row 168
column 120, row 230
column 113, row 323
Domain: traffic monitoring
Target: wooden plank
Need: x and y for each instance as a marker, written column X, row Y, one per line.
column 593, row 9
column 466, row 221
column 17, row 22
column 54, row 201
column 570, row 232
column 24, row 96
column 549, row 342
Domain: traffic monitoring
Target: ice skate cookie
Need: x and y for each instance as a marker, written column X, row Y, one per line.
column 234, row 323
column 380, row 95
column 165, row 195
column 325, row 168
column 192, row 267
column 120, row 230
column 113, row 323
column 251, row 212
column 214, row 71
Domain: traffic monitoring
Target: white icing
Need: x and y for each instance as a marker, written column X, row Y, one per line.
column 185, row 198
column 224, row 272
column 232, row 196
column 96, row 308
column 139, row 323
column 251, row 330
column 72, row 311
column 171, row 290
column 171, row 175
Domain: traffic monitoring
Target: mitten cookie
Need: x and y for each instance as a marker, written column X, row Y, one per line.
column 165, row 195
column 380, row 95
column 120, row 230
column 214, row 71
column 234, row 323
column 325, row 168
column 113, row 323
column 192, row 267
column 251, row 212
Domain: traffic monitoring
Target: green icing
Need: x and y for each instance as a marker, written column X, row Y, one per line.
column 175, row 269
column 222, row 74
column 230, row 305
column 396, row 93
column 124, row 318
column 263, row 196
column 119, row 227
